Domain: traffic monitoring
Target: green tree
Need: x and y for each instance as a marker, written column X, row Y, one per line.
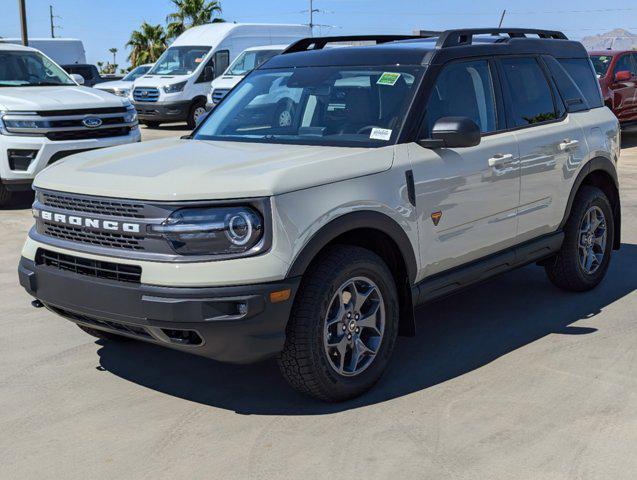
column 146, row 44
column 114, row 52
column 191, row 13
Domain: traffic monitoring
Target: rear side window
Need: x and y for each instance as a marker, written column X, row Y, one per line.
column 530, row 93
column 463, row 89
column 582, row 73
column 573, row 97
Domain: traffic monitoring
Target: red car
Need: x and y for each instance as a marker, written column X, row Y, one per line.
column 617, row 73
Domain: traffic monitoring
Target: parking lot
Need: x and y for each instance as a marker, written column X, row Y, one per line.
column 510, row 379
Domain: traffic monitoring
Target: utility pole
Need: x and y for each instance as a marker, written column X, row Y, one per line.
column 51, row 18
column 23, row 22
column 504, row 12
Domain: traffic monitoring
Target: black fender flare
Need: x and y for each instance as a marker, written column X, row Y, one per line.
column 605, row 165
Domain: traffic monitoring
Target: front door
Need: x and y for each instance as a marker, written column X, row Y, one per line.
column 466, row 197
column 624, row 92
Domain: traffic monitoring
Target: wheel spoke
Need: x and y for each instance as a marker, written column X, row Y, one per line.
column 370, row 320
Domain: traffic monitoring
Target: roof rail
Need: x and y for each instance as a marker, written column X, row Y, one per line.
column 318, row 43
column 454, row 38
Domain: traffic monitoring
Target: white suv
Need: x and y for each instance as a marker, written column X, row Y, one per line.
column 410, row 169
column 45, row 116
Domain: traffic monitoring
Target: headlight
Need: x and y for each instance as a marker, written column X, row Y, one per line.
column 175, row 87
column 212, row 231
column 11, row 124
column 122, row 92
column 131, row 114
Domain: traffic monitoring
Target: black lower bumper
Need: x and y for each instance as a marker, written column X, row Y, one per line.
column 17, row 185
column 162, row 112
column 229, row 324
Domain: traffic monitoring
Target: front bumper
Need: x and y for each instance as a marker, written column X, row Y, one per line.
column 163, row 111
column 49, row 151
column 229, row 324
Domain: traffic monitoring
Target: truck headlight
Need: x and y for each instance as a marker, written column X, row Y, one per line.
column 121, row 92
column 175, row 87
column 212, row 231
column 131, row 114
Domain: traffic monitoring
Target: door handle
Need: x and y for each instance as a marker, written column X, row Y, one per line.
column 500, row 159
column 568, row 143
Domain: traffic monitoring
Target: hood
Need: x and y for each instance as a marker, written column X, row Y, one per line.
column 55, row 98
column 160, row 80
column 114, row 84
column 175, row 169
column 226, row 81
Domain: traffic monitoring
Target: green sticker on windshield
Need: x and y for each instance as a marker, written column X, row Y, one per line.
column 388, row 78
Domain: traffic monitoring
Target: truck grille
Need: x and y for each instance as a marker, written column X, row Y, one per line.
column 145, row 94
column 88, row 134
column 92, row 268
column 92, row 205
column 101, row 239
column 218, row 94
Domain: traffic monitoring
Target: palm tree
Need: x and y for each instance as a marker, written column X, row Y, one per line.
column 146, row 44
column 191, row 13
column 114, row 52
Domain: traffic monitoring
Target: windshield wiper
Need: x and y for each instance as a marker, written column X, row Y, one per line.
column 49, row 84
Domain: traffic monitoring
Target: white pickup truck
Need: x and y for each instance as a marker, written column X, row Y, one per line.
column 46, row 115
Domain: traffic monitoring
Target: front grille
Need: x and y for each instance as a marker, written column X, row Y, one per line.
column 78, row 122
column 93, row 205
column 218, row 94
column 145, row 94
column 88, row 134
column 120, row 327
column 82, row 111
column 91, row 268
column 102, row 239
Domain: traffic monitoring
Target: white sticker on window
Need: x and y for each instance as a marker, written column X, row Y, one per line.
column 380, row 134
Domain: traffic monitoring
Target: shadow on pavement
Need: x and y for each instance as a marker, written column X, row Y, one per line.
column 455, row 335
column 629, row 139
column 20, row 201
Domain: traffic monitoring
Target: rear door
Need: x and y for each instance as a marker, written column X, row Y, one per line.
column 551, row 143
column 466, row 197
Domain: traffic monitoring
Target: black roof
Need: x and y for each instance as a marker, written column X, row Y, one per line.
column 428, row 48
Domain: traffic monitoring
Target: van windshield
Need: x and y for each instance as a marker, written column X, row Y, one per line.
column 136, row 73
column 249, row 60
column 601, row 64
column 179, row 60
column 30, row 69
column 333, row 106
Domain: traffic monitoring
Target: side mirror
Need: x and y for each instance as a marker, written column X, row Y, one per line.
column 79, row 79
column 623, row 76
column 453, row 132
column 208, row 74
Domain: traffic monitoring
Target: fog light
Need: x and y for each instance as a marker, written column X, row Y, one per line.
column 19, row 160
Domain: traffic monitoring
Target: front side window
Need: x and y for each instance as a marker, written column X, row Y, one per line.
column 336, row 106
column 221, row 61
column 180, row 60
column 463, row 89
column 626, row 64
column 249, row 60
column 530, row 93
column 30, row 69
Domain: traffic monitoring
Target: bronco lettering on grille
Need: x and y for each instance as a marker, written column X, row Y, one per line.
column 93, row 223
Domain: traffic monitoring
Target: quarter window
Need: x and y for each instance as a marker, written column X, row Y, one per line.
column 530, row 93
column 463, row 89
column 582, row 73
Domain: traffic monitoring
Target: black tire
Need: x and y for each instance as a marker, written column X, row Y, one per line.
column 191, row 120
column 304, row 361
column 5, row 195
column 111, row 337
column 565, row 270
column 151, row 124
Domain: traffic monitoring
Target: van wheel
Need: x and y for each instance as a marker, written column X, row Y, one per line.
column 583, row 260
column 343, row 325
column 5, row 195
column 197, row 111
column 150, row 124
column 103, row 335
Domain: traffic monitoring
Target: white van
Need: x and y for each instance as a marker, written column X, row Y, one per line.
column 247, row 61
column 63, row 51
column 176, row 88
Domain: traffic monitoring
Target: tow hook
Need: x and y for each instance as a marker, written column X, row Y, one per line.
column 37, row 304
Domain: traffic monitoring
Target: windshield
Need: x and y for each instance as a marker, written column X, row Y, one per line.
column 335, row 106
column 179, row 60
column 249, row 60
column 30, row 69
column 601, row 64
column 136, row 73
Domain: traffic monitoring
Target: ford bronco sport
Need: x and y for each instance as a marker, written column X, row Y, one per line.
column 410, row 168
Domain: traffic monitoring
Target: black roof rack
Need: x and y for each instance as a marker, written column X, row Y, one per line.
column 454, row 38
column 318, row 43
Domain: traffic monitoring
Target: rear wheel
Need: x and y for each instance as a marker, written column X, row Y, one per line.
column 150, row 124
column 343, row 325
column 103, row 335
column 197, row 111
column 583, row 260
column 5, row 195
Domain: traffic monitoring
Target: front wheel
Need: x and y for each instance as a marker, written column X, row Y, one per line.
column 343, row 325
column 583, row 260
column 197, row 112
column 151, row 124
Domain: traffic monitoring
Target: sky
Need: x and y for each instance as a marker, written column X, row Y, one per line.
column 102, row 24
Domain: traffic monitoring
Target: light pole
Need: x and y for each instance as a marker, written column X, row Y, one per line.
column 23, row 22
